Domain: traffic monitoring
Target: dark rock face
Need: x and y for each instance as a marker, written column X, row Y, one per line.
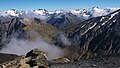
column 10, row 28
column 7, row 57
column 109, row 61
column 63, row 21
column 98, row 36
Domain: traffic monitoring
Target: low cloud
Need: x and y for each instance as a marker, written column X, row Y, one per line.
column 21, row 47
column 64, row 40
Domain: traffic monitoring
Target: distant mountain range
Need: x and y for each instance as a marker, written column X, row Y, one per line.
column 83, row 13
column 84, row 33
column 62, row 19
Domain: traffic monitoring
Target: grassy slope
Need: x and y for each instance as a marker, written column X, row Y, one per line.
column 37, row 29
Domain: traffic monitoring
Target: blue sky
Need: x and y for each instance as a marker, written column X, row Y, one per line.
column 56, row 4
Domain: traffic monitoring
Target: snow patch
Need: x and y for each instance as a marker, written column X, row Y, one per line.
column 93, row 26
column 82, row 26
column 112, row 15
column 90, row 28
column 102, row 18
column 103, row 23
column 114, row 21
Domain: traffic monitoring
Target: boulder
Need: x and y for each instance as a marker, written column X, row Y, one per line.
column 33, row 59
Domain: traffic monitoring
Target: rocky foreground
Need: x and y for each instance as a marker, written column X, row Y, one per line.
column 98, row 62
column 38, row 59
column 34, row 58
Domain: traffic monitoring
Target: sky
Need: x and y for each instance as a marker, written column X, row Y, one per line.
column 57, row 4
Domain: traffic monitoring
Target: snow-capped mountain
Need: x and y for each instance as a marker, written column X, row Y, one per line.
column 99, row 35
column 43, row 13
column 62, row 19
column 11, row 12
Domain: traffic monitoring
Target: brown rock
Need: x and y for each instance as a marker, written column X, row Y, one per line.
column 35, row 58
column 38, row 58
column 61, row 60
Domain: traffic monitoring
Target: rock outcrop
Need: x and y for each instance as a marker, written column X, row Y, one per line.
column 33, row 59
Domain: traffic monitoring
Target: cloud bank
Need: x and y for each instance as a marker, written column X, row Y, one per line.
column 21, row 47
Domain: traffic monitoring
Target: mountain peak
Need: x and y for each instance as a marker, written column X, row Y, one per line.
column 82, row 13
column 95, row 7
